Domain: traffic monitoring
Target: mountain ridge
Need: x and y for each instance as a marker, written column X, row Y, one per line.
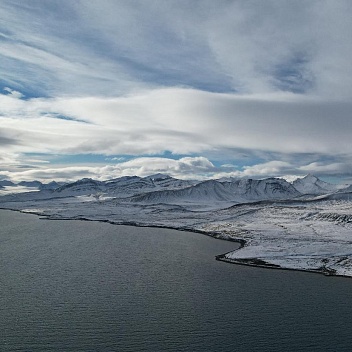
column 162, row 188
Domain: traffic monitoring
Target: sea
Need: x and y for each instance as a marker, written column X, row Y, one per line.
column 68, row 285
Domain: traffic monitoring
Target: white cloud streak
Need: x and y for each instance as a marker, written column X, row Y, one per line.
column 182, row 121
column 185, row 168
column 188, row 167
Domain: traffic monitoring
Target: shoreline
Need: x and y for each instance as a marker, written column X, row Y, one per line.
column 259, row 263
column 215, row 235
column 253, row 262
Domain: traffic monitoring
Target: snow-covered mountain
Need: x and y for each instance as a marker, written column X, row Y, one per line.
column 80, row 187
column 31, row 184
column 347, row 189
column 127, row 186
column 160, row 188
column 5, row 183
column 238, row 191
column 166, row 181
column 313, row 185
column 131, row 185
column 51, row 185
column 122, row 187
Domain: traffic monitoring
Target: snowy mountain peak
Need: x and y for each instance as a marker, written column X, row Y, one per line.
column 311, row 184
column 6, row 183
column 34, row 184
column 50, row 186
column 83, row 185
column 310, row 178
column 157, row 177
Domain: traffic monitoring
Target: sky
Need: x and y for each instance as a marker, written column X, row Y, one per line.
column 195, row 89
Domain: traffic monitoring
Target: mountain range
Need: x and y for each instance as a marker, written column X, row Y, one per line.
column 160, row 188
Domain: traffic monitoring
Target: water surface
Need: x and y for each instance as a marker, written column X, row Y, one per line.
column 89, row 286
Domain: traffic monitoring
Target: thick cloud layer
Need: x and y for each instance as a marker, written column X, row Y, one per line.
column 178, row 120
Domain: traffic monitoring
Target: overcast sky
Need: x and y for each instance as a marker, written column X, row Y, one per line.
column 195, row 89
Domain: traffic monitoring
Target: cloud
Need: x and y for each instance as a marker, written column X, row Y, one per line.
column 270, row 168
column 7, row 159
column 335, row 168
column 182, row 121
column 185, row 168
column 116, row 159
column 13, row 93
column 6, row 140
column 107, row 47
column 188, row 167
column 189, row 78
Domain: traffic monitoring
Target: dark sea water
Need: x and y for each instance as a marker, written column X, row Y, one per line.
column 88, row 286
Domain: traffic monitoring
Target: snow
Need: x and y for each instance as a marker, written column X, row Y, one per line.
column 280, row 225
column 310, row 184
column 295, row 238
column 235, row 191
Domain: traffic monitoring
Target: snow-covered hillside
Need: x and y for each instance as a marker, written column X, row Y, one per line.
column 116, row 188
column 122, row 187
column 236, row 191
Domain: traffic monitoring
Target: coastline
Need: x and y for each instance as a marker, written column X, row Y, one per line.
column 254, row 262
column 213, row 234
column 259, row 263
